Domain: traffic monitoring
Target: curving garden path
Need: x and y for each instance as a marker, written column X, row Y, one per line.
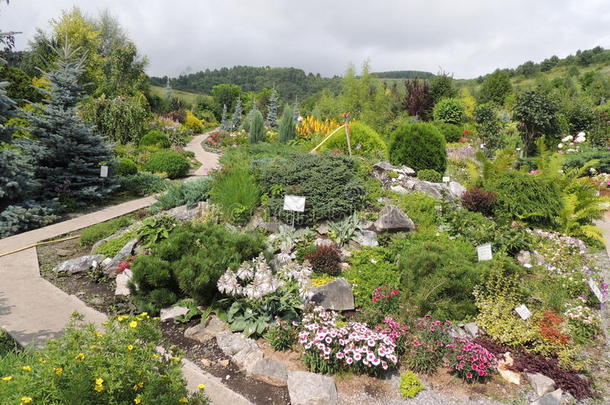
column 32, row 310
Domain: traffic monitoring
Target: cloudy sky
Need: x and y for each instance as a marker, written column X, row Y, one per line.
column 466, row 38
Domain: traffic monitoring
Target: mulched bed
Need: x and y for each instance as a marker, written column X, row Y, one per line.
column 100, row 296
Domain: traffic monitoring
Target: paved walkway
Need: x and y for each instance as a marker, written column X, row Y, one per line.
column 32, row 310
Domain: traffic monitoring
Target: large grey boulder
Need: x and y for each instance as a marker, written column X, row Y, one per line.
column 552, row 398
column 336, row 295
column 311, row 389
column 471, row 329
column 434, row 190
column 184, row 213
column 207, row 330
column 79, row 264
column 540, row 383
column 456, row 189
column 243, row 351
column 270, row 371
column 120, row 257
column 391, row 218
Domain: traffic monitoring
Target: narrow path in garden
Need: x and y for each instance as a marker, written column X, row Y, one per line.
column 604, row 225
column 32, row 310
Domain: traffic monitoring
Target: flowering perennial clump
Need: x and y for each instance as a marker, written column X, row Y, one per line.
column 430, row 342
column 472, row 362
column 570, row 144
column 331, row 346
column 255, row 279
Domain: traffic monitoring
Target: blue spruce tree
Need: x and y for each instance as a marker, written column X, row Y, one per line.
column 66, row 152
column 236, row 119
column 272, row 110
column 225, row 125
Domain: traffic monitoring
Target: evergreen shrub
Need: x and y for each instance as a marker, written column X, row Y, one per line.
column 28, row 215
column 143, row 183
column 169, row 162
column 126, row 167
column 419, row 146
column 451, row 132
column 430, row 175
column 449, row 110
column 365, row 141
column 155, row 137
column 188, row 193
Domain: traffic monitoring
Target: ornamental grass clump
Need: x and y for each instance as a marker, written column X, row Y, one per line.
column 472, row 362
column 332, row 346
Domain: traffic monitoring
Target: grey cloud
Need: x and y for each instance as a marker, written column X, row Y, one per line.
column 467, row 38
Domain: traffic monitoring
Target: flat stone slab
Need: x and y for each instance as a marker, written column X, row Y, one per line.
column 79, row 264
column 540, row 383
column 336, row 295
column 552, row 398
column 311, row 389
column 243, row 351
column 207, row 330
column 172, row 312
column 270, row 371
column 120, row 257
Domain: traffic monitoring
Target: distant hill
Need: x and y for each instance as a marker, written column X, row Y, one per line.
column 404, row 74
column 289, row 82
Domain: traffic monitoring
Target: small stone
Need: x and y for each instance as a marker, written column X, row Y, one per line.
column 122, row 282
column 399, row 189
column 172, row 312
column 336, row 295
column 323, row 228
column 344, row 266
column 323, row 242
column 391, row 218
column 524, row 257
column 472, row 329
column 311, row 389
column 78, row 265
column 504, row 362
column 106, row 261
column 207, row 330
column 552, row 398
column 224, row 362
column 270, row 371
column 456, row 190
column 271, row 227
column 540, row 383
column 367, row 238
column 206, row 362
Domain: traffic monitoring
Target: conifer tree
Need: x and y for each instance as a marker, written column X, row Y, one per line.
column 236, row 119
column 272, row 110
column 225, row 125
column 66, row 152
column 296, row 111
column 287, row 129
column 257, row 125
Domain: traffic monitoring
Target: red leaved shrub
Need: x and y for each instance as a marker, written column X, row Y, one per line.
column 478, row 200
column 325, row 259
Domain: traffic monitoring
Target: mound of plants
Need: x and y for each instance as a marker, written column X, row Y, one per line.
column 189, row 263
column 419, row 146
column 173, row 164
column 532, row 198
column 437, row 276
column 187, row 193
column 126, row 167
column 325, row 259
column 235, row 191
column 143, row 183
column 449, row 111
column 119, row 365
column 451, row 132
column 365, row 141
column 155, row 137
column 430, row 175
column 102, row 230
column 371, row 268
column 329, row 183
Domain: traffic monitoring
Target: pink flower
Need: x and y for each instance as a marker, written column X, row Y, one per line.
column 469, row 375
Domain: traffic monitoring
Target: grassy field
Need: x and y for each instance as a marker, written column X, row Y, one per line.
column 188, row 98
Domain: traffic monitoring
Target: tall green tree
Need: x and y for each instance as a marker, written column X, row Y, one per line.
column 495, row 88
column 537, row 113
column 442, row 86
column 272, row 110
column 66, row 152
column 257, row 125
column 287, row 128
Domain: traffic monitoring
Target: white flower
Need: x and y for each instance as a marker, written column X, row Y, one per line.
column 560, row 145
column 567, row 138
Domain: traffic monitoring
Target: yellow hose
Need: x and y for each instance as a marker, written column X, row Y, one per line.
column 39, row 244
column 326, row 139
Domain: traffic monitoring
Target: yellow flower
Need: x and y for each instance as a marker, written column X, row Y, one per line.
column 155, row 356
column 138, row 386
column 8, row 378
column 133, row 324
column 144, row 314
column 59, row 371
column 26, row 400
column 122, row 318
column 201, row 386
column 99, row 381
column 80, row 356
column 99, row 388
column 175, row 358
column 26, row 368
column 138, row 400
column 184, row 400
column 98, row 334
column 129, row 347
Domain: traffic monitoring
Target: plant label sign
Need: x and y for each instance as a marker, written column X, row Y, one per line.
column 595, row 289
column 294, row 203
column 446, row 179
column 484, row 252
column 104, row 171
column 523, row 311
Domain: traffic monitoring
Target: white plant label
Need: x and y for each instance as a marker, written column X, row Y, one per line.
column 294, row 203
column 104, row 171
column 484, row 252
column 595, row 289
column 446, row 179
column 523, row 311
